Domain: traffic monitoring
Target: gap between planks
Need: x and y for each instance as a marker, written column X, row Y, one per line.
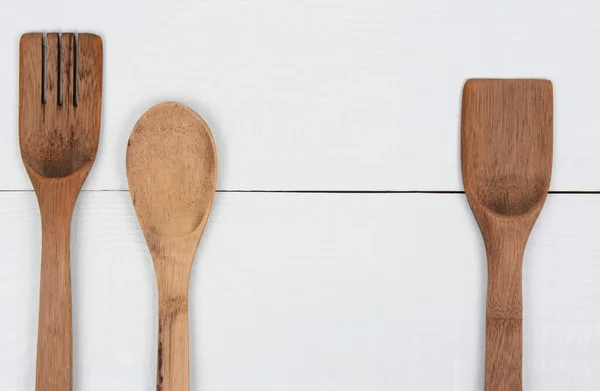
column 557, row 192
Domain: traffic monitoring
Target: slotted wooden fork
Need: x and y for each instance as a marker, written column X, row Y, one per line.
column 60, row 96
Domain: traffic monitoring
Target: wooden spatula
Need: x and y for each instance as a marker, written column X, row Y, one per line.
column 60, row 96
column 506, row 153
column 172, row 175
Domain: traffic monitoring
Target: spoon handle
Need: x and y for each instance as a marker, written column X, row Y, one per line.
column 54, row 347
column 173, row 352
column 504, row 330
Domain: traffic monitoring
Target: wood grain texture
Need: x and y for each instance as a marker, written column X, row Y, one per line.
column 295, row 91
column 279, row 300
column 172, row 174
column 58, row 137
column 506, row 151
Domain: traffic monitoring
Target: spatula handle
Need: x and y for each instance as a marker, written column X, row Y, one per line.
column 504, row 331
column 54, row 347
column 172, row 372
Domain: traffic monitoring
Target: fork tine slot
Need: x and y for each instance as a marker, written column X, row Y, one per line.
column 52, row 69
column 31, row 64
column 67, row 68
column 89, row 73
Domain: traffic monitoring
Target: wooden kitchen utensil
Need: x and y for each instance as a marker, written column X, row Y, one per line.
column 60, row 96
column 506, row 153
column 172, row 174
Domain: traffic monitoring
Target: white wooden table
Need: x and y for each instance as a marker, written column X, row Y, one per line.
column 332, row 284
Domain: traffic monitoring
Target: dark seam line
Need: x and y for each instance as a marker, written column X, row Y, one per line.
column 346, row 191
column 385, row 191
column 575, row 192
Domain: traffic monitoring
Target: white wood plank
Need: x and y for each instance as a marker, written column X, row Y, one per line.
column 336, row 94
column 299, row 292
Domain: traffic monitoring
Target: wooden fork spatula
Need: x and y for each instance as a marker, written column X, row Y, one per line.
column 506, row 153
column 60, row 95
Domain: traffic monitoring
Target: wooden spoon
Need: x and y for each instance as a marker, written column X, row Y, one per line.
column 59, row 128
column 506, row 152
column 172, row 174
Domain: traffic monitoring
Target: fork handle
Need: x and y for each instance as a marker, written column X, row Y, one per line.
column 504, row 329
column 54, row 348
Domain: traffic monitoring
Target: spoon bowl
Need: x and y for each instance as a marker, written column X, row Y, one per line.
column 172, row 170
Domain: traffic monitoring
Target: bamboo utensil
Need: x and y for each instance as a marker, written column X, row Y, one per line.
column 172, row 175
column 60, row 96
column 506, row 153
